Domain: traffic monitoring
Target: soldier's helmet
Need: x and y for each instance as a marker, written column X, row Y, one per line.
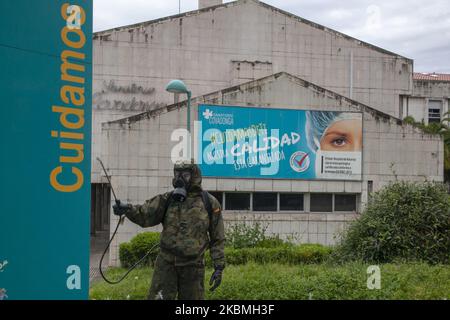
column 196, row 174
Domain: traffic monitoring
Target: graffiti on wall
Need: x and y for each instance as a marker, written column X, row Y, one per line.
column 131, row 97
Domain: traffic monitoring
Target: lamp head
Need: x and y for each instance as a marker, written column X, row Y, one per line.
column 177, row 86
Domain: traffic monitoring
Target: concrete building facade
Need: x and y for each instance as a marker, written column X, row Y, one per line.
column 430, row 98
column 249, row 54
column 224, row 45
column 138, row 149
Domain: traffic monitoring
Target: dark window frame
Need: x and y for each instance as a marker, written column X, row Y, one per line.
column 280, row 194
column 307, row 199
column 324, row 193
column 264, row 193
column 345, row 194
column 435, row 112
column 226, row 193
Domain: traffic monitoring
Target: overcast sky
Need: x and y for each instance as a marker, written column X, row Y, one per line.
column 417, row 29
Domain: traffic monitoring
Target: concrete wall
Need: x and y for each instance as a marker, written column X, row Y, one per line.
column 429, row 89
column 211, row 48
column 208, row 3
column 416, row 105
column 138, row 155
column 219, row 47
column 114, row 98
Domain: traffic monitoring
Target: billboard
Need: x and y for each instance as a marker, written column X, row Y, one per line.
column 267, row 143
column 45, row 99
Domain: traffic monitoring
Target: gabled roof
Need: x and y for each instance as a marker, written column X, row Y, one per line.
column 244, row 86
column 206, row 98
column 265, row 5
column 444, row 77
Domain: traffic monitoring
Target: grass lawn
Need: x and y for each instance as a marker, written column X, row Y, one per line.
column 307, row 281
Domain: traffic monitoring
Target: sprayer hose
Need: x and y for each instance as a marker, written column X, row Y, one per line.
column 132, row 267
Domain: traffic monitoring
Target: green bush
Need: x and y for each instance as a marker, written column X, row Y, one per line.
column 402, row 222
column 245, row 235
column 286, row 254
column 250, row 235
column 131, row 252
column 272, row 242
column 125, row 255
column 265, row 251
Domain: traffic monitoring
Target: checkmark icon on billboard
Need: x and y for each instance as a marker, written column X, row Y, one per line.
column 300, row 162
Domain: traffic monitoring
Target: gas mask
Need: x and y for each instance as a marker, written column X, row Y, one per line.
column 181, row 182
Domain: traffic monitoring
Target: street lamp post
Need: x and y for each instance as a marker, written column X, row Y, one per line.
column 178, row 86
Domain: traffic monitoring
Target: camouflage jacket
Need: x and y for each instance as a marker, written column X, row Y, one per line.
column 187, row 229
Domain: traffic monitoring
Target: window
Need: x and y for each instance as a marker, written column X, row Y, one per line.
column 434, row 111
column 321, row 202
column 218, row 196
column 401, row 100
column 344, row 202
column 369, row 187
column 237, row 201
column 264, row 201
column 100, row 207
column 291, row 202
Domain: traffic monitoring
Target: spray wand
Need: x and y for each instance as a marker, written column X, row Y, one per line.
column 121, row 219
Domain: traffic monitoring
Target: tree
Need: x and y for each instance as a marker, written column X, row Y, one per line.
column 402, row 221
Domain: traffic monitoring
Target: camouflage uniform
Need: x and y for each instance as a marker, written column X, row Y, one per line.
column 187, row 234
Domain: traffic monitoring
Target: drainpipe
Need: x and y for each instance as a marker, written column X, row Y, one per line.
column 351, row 75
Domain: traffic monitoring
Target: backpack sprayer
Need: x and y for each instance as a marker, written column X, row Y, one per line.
column 121, row 219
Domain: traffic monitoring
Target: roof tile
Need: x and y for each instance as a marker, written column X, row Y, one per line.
column 431, row 76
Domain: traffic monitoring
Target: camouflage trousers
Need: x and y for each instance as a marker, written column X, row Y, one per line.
column 183, row 282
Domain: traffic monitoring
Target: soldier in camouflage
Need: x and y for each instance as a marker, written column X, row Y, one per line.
column 188, row 231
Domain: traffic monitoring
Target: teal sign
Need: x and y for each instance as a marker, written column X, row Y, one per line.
column 268, row 143
column 45, row 97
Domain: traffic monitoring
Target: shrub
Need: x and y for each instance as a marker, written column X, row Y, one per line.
column 287, row 254
column 272, row 242
column 403, row 221
column 250, row 235
column 125, row 255
column 245, row 235
column 131, row 252
column 267, row 250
